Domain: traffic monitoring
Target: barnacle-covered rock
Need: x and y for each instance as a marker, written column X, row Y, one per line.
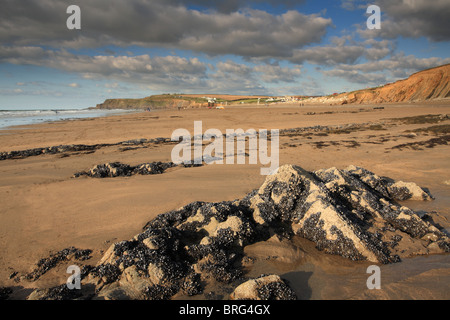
column 117, row 169
column 348, row 212
column 270, row 287
column 339, row 210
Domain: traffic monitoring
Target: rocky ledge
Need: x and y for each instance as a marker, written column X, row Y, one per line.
column 117, row 169
column 74, row 148
column 352, row 213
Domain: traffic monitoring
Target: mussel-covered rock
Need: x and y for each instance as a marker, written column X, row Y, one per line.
column 270, row 287
column 117, row 169
column 348, row 212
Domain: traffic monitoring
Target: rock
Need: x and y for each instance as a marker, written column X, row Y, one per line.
column 108, row 256
column 132, row 285
column 5, row 292
column 270, row 287
column 155, row 274
column 46, row 264
column 335, row 209
column 150, row 243
column 192, row 284
column 22, row 154
column 74, row 148
column 349, row 212
column 117, row 169
column 110, row 170
column 301, row 199
column 56, row 293
column 407, row 191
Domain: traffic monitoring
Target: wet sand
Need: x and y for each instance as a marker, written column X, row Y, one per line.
column 44, row 209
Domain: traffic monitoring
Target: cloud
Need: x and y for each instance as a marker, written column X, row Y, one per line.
column 113, row 85
column 377, row 72
column 30, row 92
column 137, row 69
column 343, row 50
column 171, row 24
column 242, row 78
column 256, row 33
column 228, row 6
column 230, row 71
column 159, row 73
column 275, row 74
column 355, row 76
column 354, row 4
column 400, row 64
column 409, row 18
column 328, row 55
column 230, row 67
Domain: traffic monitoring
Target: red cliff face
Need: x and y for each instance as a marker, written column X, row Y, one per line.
column 425, row 85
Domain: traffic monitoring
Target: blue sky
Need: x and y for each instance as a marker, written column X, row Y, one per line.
column 136, row 48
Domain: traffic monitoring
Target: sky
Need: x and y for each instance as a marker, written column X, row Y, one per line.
column 138, row 48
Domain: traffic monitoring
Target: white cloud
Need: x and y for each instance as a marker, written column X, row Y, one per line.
column 113, row 85
column 377, row 72
column 344, row 50
column 276, row 74
column 161, row 73
column 328, row 55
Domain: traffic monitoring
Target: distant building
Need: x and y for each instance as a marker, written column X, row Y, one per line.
column 211, row 101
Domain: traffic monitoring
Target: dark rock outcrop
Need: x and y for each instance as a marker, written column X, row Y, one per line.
column 352, row 213
column 73, row 148
column 22, row 154
column 46, row 264
column 117, row 169
column 345, row 212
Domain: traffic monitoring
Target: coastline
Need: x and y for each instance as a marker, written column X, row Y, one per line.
column 10, row 119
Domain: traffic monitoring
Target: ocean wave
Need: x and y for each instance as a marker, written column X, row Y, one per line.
column 10, row 118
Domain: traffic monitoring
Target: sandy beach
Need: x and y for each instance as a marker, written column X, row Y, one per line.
column 45, row 209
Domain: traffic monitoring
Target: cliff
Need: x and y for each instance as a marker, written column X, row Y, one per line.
column 430, row 84
column 155, row 102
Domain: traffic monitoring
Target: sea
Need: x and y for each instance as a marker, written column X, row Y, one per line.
column 11, row 118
